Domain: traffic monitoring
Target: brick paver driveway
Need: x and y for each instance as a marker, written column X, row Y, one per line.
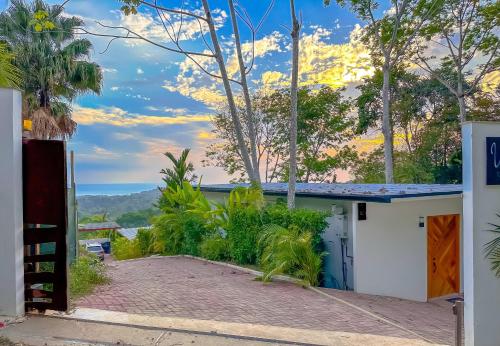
column 189, row 288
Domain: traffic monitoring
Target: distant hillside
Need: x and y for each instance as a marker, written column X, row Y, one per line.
column 115, row 206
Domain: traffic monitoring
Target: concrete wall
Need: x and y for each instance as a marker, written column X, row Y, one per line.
column 390, row 249
column 11, row 205
column 481, row 204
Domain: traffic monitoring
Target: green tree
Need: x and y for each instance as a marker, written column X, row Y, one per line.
column 427, row 125
column 54, row 64
column 389, row 38
column 181, row 171
column 10, row 76
column 141, row 218
column 323, row 126
column 468, row 31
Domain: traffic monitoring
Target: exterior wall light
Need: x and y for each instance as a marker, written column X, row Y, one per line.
column 421, row 222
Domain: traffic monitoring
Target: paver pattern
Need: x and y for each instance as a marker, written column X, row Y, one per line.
column 189, row 288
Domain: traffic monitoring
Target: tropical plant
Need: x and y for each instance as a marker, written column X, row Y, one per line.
column 124, row 248
column 492, row 249
column 54, row 64
column 215, row 248
column 10, row 76
column 183, row 223
column 181, row 171
column 289, row 251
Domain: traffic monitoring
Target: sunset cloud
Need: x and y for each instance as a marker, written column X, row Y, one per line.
column 118, row 117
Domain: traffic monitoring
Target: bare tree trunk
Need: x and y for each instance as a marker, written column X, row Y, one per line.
column 461, row 97
column 387, row 127
column 248, row 103
column 229, row 94
column 293, row 108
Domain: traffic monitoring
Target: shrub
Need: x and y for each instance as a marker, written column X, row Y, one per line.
column 289, row 251
column 243, row 229
column 304, row 219
column 194, row 231
column 123, row 249
column 145, row 241
column 215, row 248
column 87, row 272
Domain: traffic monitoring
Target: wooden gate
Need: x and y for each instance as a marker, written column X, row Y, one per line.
column 45, row 225
column 443, row 255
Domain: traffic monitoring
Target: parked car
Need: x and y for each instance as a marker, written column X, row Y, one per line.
column 96, row 249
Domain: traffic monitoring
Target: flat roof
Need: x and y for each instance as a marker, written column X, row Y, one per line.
column 99, row 226
column 383, row 193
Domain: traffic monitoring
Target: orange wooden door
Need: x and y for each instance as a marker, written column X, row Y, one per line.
column 443, row 255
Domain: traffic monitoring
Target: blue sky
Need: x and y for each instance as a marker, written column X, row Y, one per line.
column 155, row 101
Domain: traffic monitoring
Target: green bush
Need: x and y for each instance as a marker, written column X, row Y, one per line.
column 289, row 251
column 145, row 241
column 194, row 231
column 243, row 230
column 215, row 248
column 303, row 219
column 87, row 272
column 123, row 249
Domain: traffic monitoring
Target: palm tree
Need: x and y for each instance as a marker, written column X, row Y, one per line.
column 10, row 76
column 54, row 64
column 181, row 171
column 492, row 249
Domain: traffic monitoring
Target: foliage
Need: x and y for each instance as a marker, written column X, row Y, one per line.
column 289, row 250
column 123, row 248
column 492, row 249
column 182, row 170
column 468, row 29
column 243, row 231
column 87, row 272
column 145, row 241
column 115, row 206
column 140, row 218
column 427, row 124
column 305, row 219
column 215, row 248
column 323, row 128
column 54, row 64
column 10, row 76
column 96, row 218
column 182, row 225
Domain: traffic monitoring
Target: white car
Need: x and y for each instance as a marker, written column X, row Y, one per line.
column 96, row 249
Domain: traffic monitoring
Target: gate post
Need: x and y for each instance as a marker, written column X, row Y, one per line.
column 11, row 205
column 481, row 184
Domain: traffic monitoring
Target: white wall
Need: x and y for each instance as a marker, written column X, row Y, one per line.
column 11, row 204
column 390, row 249
column 481, row 204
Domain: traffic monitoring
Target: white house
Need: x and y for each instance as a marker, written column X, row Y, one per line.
column 398, row 240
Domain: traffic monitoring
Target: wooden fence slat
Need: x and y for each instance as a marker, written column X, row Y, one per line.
column 39, row 278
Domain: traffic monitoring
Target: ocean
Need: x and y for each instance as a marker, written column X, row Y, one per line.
column 113, row 189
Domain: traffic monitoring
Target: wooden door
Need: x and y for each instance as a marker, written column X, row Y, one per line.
column 443, row 255
column 45, row 225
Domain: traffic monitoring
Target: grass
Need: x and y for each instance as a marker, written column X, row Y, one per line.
column 6, row 342
column 85, row 274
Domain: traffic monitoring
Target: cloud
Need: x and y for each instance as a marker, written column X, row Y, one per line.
column 151, row 26
column 109, row 70
column 205, row 135
column 140, row 70
column 194, row 83
column 321, row 63
column 118, row 117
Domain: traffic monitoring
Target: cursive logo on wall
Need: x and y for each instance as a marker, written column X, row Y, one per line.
column 492, row 160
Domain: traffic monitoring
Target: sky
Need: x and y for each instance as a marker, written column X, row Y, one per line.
column 154, row 101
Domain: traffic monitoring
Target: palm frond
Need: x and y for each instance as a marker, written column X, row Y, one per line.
column 492, row 249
